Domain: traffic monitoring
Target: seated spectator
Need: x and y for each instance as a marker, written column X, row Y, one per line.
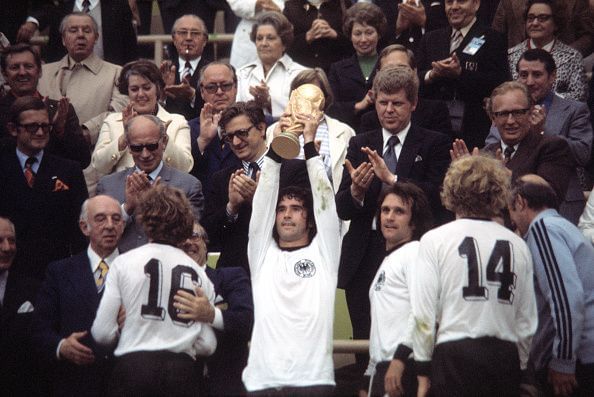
column 142, row 82
column 543, row 19
column 364, row 25
column 319, row 40
column 267, row 79
column 21, row 66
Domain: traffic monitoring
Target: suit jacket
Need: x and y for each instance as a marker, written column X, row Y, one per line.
column 16, row 356
column 429, row 114
column 71, row 145
column 232, row 287
column 119, row 38
column 481, row 73
column 67, row 303
column 231, row 237
column 45, row 216
column 182, row 106
column 423, row 160
column 114, row 185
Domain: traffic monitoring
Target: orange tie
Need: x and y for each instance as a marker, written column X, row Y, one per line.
column 29, row 173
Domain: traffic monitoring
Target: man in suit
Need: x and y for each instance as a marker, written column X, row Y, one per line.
column 17, row 295
column 218, row 89
column 117, row 39
column 525, row 151
column 398, row 151
column 40, row 192
column 462, row 64
column 181, row 73
column 146, row 139
column 68, row 301
column 21, row 67
column 554, row 115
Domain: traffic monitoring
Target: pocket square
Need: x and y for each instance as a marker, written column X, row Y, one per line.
column 418, row 158
column 26, row 307
column 60, row 186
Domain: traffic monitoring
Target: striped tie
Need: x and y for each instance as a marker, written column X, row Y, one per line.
column 29, row 173
column 103, row 269
column 86, row 6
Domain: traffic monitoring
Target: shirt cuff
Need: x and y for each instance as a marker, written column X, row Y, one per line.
column 218, row 322
column 423, row 368
column 310, row 150
column 428, row 76
column 34, row 20
column 58, row 350
column 230, row 218
column 125, row 215
column 402, row 353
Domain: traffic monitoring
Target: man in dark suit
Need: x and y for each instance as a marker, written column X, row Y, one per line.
column 68, row 301
column 462, row 64
column 525, row 151
column 117, row 39
column 146, row 139
column 21, row 67
column 40, row 192
column 181, row 74
column 398, row 151
column 17, row 295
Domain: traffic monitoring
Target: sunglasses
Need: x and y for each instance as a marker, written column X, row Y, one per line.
column 214, row 87
column 241, row 134
column 151, row 147
column 32, row 128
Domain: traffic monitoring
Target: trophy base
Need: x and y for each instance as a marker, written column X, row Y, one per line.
column 286, row 145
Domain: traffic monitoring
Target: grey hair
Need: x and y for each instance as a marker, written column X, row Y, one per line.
column 214, row 63
column 196, row 17
column 9, row 223
column 84, row 209
column 157, row 121
column 78, row 14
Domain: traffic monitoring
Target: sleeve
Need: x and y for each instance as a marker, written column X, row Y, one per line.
column 586, row 223
column 345, row 206
column 499, row 20
column 556, row 165
column 79, row 193
column 493, row 137
column 206, row 342
column 341, row 109
column 237, row 291
column 243, row 8
column 178, row 152
column 105, row 326
column 215, row 215
column 577, row 85
column 72, row 144
column 580, row 134
column 560, row 286
column 196, row 199
column 583, row 28
column 404, row 348
column 526, row 313
column 106, row 155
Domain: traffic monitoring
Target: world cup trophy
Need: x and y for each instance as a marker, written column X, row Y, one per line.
column 306, row 99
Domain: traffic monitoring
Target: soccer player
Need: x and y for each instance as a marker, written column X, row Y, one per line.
column 293, row 252
column 475, row 278
column 158, row 343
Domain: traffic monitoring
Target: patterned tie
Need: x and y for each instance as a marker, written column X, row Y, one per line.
column 103, row 269
column 507, row 153
column 86, row 6
column 253, row 170
column 187, row 73
column 390, row 155
column 455, row 41
column 29, row 173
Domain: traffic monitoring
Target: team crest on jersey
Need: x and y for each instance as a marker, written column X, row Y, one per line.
column 381, row 280
column 305, row 268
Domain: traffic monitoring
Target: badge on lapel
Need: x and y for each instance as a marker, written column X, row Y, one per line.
column 418, row 158
column 59, row 186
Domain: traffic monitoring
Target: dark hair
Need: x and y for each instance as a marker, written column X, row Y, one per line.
column 318, row 77
column 166, row 215
column 304, row 195
column 538, row 54
column 421, row 217
column 365, row 14
column 250, row 109
column 22, row 104
column 283, row 27
column 19, row 49
column 538, row 196
column 412, row 62
column 143, row 68
column 214, row 63
column 556, row 11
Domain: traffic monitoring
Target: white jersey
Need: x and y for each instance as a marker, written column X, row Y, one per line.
column 390, row 305
column 144, row 280
column 293, row 290
column 474, row 278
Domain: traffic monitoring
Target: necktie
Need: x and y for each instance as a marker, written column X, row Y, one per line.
column 187, row 73
column 29, row 173
column 103, row 269
column 253, row 169
column 390, row 155
column 507, row 153
column 456, row 40
column 86, row 5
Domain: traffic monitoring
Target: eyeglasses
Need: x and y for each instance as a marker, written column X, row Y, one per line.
column 542, row 18
column 504, row 115
column 241, row 134
column 151, row 147
column 32, row 128
column 193, row 33
column 214, row 87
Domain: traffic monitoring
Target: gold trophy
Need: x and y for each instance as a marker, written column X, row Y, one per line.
column 307, row 99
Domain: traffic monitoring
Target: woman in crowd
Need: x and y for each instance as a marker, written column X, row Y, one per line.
column 364, row 24
column 267, row 80
column 543, row 19
column 142, row 82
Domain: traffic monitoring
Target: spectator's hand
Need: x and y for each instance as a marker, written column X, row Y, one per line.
column 136, row 183
column 413, row 13
column 261, row 95
column 402, row 23
column 449, row 67
column 135, row 14
column 424, row 386
column 26, row 31
column 235, row 198
column 194, row 306
column 184, row 90
column 209, row 121
column 563, row 384
column 363, row 393
column 121, row 317
column 538, row 115
column 364, row 103
column 320, row 28
column 361, row 178
column 459, row 150
column 168, row 72
column 379, row 166
column 74, row 351
column 59, row 120
column 245, row 186
column 266, row 5
column 393, row 379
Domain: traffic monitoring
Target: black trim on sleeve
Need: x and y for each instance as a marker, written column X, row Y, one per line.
column 402, row 353
column 274, row 155
column 423, row 368
column 310, row 150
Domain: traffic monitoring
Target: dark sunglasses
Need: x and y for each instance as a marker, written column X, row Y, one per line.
column 241, row 134
column 151, row 147
column 214, row 87
column 32, row 128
